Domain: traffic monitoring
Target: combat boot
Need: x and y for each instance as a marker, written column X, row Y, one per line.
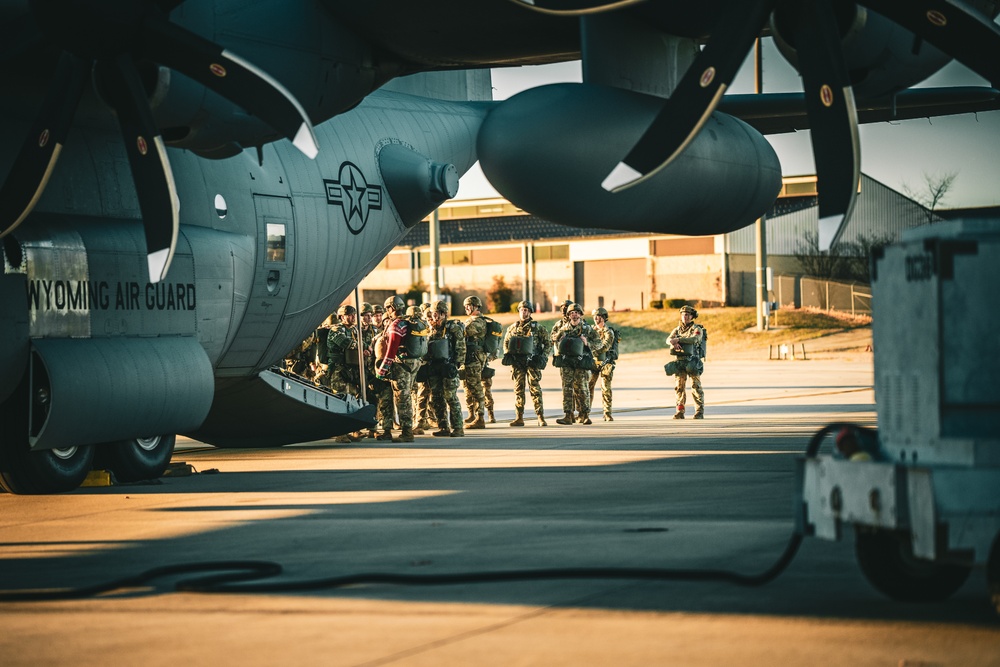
column 458, row 433
column 608, row 417
column 468, row 420
column 441, row 433
column 477, row 423
column 385, row 435
column 699, row 413
column 679, row 414
column 489, row 413
column 585, row 418
column 405, row 435
column 518, row 419
column 541, row 420
column 424, row 425
column 566, row 420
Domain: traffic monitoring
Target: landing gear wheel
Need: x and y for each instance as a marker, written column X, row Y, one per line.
column 137, row 459
column 46, row 471
column 887, row 561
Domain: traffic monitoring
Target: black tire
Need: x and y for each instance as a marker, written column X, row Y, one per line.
column 26, row 472
column 887, row 561
column 137, row 459
column 46, row 471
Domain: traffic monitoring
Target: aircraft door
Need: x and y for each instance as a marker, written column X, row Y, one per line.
column 269, row 293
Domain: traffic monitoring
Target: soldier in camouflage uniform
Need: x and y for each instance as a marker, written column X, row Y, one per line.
column 396, row 367
column 421, row 389
column 575, row 386
column 342, row 358
column 687, row 343
column 527, row 369
column 381, row 390
column 604, row 360
column 368, row 334
column 475, row 359
column 443, row 373
column 302, row 360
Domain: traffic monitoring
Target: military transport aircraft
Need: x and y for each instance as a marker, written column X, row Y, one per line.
column 189, row 188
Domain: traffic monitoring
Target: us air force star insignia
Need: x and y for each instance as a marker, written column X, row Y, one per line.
column 354, row 196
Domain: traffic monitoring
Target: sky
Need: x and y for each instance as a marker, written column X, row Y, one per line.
column 899, row 154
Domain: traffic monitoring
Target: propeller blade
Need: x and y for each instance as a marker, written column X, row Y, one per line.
column 952, row 26
column 832, row 117
column 232, row 77
column 574, row 7
column 33, row 165
column 695, row 97
column 147, row 157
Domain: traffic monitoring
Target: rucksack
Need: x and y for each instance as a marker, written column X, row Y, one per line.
column 612, row 354
column 493, row 338
column 417, row 335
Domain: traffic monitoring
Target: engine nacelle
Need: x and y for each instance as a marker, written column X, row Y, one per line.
column 548, row 149
column 882, row 58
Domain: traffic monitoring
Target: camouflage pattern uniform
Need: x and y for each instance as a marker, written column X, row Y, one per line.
column 381, row 390
column 421, row 388
column 525, row 369
column 576, row 381
column 475, row 359
column 397, row 368
column 605, row 365
column 342, row 354
column 687, row 342
column 302, row 360
column 444, row 373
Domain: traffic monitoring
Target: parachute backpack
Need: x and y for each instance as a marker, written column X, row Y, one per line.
column 493, row 338
column 417, row 337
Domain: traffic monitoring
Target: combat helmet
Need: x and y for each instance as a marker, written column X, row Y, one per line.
column 689, row 309
column 366, row 308
column 413, row 311
column 525, row 304
column 574, row 306
column 346, row 310
column 439, row 306
column 395, row 304
column 603, row 312
column 565, row 306
column 473, row 301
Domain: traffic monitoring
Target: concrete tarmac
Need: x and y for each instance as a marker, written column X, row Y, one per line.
column 643, row 491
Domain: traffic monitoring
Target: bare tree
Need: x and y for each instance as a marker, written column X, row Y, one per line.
column 935, row 189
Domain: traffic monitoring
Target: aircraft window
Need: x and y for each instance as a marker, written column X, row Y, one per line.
column 221, row 208
column 275, row 242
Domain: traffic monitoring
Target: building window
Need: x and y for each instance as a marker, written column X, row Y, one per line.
column 496, row 256
column 551, row 252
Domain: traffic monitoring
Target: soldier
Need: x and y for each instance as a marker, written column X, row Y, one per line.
column 475, row 359
column 342, row 358
column 378, row 313
column 575, row 380
column 564, row 321
column 302, row 360
column 526, row 368
column 368, row 333
column 447, row 343
column 395, row 366
column 421, row 388
column 604, row 360
column 687, row 343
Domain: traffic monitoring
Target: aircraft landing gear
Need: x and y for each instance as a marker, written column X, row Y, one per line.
column 26, row 472
column 137, row 458
column 887, row 561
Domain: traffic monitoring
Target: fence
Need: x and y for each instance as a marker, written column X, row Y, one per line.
column 803, row 291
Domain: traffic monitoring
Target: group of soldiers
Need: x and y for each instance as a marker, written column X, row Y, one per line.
column 412, row 359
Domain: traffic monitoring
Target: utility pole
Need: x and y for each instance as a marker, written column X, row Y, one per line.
column 760, row 227
column 434, row 232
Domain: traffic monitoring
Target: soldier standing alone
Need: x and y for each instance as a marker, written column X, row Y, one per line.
column 526, row 368
column 687, row 343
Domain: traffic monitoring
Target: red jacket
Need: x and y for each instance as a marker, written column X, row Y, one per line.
column 394, row 334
